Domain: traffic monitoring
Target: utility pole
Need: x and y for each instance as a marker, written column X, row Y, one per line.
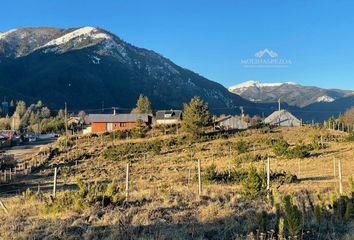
column 278, row 104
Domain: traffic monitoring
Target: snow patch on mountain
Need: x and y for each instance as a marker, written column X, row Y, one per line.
column 96, row 60
column 4, row 34
column 81, row 32
column 325, row 98
column 239, row 88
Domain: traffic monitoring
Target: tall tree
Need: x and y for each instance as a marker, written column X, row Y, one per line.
column 21, row 108
column 143, row 105
column 195, row 117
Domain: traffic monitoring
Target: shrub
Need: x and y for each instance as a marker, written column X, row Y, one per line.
column 156, row 146
column 139, row 131
column 349, row 211
column 241, row 146
column 280, row 147
column 350, row 137
column 254, row 185
column 210, row 174
column 262, row 220
column 299, row 151
column 65, row 142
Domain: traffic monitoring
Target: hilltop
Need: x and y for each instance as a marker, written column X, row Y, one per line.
column 163, row 196
column 89, row 67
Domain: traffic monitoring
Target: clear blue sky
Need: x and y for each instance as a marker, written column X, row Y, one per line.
column 211, row 37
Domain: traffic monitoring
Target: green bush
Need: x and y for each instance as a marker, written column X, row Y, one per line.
column 254, row 185
column 350, row 137
column 140, row 130
column 210, row 174
column 280, row 147
column 262, row 220
column 241, row 146
column 88, row 194
column 131, row 150
column 299, row 151
column 349, row 211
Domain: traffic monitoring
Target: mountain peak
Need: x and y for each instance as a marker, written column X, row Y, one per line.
column 255, row 84
column 4, row 34
column 83, row 32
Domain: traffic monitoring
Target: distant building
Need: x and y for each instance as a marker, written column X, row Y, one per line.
column 230, row 122
column 110, row 122
column 168, row 117
column 282, row 118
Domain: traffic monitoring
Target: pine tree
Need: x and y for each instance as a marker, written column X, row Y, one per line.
column 293, row 217
column 195, row 117
column 143, row 105
column 253, row 186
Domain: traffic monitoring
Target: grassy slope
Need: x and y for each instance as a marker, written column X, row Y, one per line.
column 163, row 203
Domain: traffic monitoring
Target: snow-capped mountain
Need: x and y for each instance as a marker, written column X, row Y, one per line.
column 289, row 92
column 242, row 87
column 87, row 66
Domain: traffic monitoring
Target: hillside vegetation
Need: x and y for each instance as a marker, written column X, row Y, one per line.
column 163, row 201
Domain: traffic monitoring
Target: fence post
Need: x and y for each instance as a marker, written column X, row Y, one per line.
column 321, row 141
column 199, row 179
column 55, row 182
column 127, row 184
column 229, row 162
column 340, row 176
column 268, row 177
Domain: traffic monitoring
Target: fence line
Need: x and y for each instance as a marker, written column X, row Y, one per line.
column 21, row 169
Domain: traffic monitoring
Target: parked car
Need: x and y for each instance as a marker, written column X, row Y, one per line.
column 32, row 138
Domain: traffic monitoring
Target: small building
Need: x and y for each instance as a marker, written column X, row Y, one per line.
column 230, row 122
column 168, row 117
column 282, row 118
column 110, row 122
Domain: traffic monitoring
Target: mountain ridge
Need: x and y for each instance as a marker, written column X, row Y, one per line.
column 292, row 93
column 102, row 69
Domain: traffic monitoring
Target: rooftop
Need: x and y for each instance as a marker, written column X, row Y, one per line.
column 130, row 117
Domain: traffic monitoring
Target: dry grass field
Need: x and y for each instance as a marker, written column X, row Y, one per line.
column 163, row 196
